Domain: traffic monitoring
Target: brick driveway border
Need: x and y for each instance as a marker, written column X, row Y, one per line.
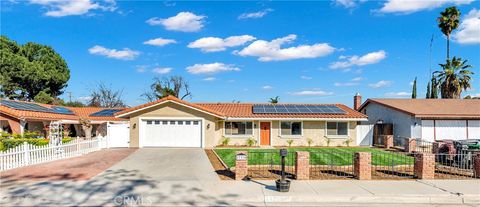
column 78, row 168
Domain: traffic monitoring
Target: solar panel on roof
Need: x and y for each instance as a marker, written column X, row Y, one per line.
column 35, row 107
column 105, row 112
column 296, row 109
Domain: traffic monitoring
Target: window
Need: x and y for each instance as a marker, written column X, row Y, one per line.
column 291, row 128
column 149, row 122
column 157, row 122
column 164, row 122
column 172, row 122
column 195, row 122
column 180, row 122
column 187, row 122
column 337, row 128
column 238, row 128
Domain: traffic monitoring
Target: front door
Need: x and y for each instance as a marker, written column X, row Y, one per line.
column 264, row 133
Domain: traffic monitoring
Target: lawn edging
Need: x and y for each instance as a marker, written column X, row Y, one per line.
column 221, row 161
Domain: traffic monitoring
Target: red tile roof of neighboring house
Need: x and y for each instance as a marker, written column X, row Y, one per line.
column 432, row 108
column 79, row 112
column 244, row 110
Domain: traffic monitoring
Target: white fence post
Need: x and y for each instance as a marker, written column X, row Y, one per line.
column 26, row 155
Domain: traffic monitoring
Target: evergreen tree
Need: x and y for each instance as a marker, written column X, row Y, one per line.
column 414, row 89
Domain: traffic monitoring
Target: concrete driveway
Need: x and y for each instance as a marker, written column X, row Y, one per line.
column 167, row 164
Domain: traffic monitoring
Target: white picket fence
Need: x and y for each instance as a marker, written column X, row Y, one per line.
column 27, row 154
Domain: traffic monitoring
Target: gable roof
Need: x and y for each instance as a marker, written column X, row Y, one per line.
column 78, row 112
column 166, row 100
column 244, row 111
column 432, row 108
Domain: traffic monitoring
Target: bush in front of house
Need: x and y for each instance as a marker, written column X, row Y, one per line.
column 6, row 144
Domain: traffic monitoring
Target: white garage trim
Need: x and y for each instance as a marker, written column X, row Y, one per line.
column 169, row 101
column 142, row 125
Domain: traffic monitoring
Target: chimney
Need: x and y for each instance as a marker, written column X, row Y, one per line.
column 357, row 101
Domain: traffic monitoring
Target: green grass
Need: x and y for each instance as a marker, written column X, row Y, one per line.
column 318, row 156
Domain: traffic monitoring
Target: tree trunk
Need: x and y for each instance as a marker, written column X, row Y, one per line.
column 448, row 47
column 88, row 131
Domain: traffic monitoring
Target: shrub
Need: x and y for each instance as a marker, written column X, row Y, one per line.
column 290, row 142
column 225, row 141
column 309, row 142
column 5, row 135
column 348, row 141
column 29, row 134
column 66, row 140
column 6, row 144
column 251, row 142
column 328, row 141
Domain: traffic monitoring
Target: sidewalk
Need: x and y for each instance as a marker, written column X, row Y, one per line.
column 142, row 191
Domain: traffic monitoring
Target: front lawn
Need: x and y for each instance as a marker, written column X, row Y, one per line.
column 318, row 156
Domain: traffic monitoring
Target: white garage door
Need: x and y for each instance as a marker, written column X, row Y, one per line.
column 172, row 133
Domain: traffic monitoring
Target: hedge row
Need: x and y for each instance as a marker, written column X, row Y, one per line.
column 6, row 144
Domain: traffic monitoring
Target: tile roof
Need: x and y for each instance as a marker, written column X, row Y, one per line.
column 79, row 112
column 244, row 110
column 433, row 108
column 168, row 98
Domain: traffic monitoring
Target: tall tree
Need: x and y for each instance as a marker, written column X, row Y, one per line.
column 427, row 96
column 274, row 100
column 174, row 86
column 454, row 78
column 26, row 70
column 434, row 85
column 414, row 89
column 102, row 96
column 448, row 21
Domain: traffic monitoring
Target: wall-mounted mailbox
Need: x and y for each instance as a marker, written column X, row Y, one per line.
column 241, row 156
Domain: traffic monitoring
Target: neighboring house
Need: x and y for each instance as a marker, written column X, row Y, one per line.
column 429, row 119
column 19, row 116
column 171, row 122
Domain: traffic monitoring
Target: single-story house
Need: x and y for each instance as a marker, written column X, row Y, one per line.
column 171, row 122
column 19, row 116
column 428, row 119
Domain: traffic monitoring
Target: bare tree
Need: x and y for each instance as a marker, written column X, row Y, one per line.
column 102, row 96
column 174, row 86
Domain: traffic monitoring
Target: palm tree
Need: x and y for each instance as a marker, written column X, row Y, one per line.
column 454, row 78
column 274, row 100
column 447, row 22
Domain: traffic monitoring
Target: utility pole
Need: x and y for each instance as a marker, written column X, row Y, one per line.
column 70, row 96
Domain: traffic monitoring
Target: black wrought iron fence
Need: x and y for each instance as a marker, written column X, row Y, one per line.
column 454, row 166
column 331, row 165
column 392, row 165
column 423, row 146
column 267, row 165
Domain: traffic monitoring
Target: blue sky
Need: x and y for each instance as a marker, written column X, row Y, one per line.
column 313, row 52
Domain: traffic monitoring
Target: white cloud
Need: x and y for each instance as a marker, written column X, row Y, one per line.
column 255, row 15
column 215, row 44
column 304, row 77
column 357, row 79
column 61, row 8
column 312, row 93
column 211, row 68
column 397, row 94
column 141, row 68
column 469, row 29
column 209, row 79
column 267, row 87
column 381, row 84
column 272, row 51
column 183, row 22
column 346, row 3
column 367, row 59
column 346, row 84
column 84, row 98
column 160, row 70
column 159, row 42
column 125, row 54
column 410, row 6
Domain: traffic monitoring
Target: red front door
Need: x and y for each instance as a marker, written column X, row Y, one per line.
column 264, row 133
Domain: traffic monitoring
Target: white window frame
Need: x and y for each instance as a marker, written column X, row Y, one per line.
column 290, row 135
column 337, row 136
column 238, row 135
